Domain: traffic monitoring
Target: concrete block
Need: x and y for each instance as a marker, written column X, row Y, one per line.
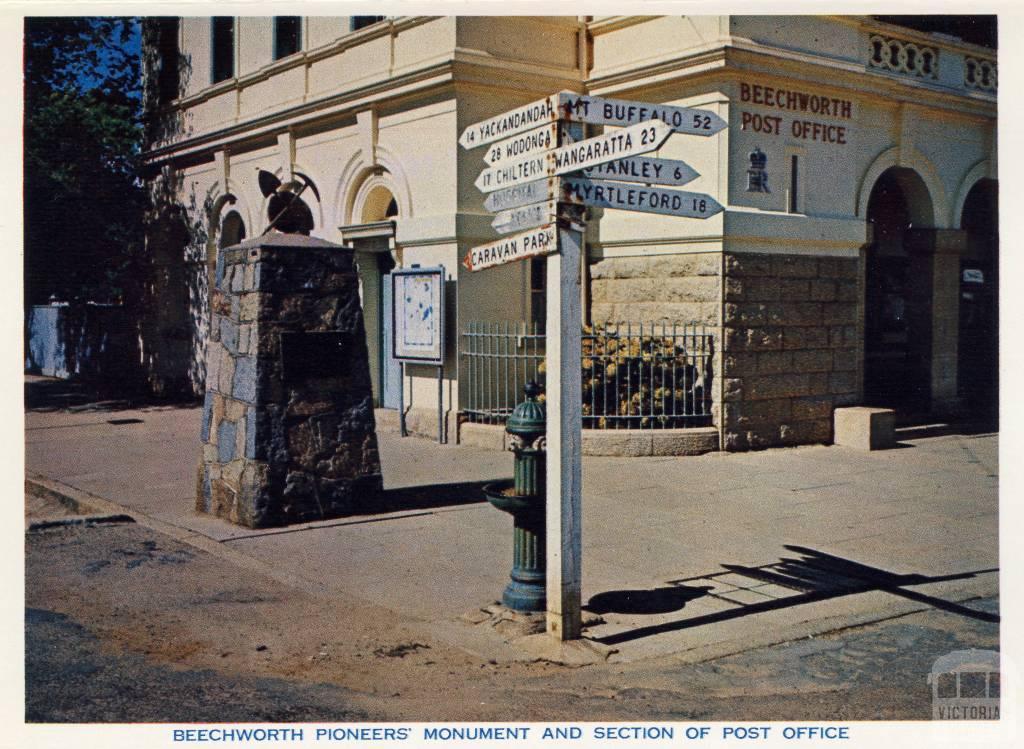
column 865, row 428
column 619, row 442
column 684, row 441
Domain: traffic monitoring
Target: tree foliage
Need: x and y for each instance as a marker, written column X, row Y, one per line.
column 84, row 201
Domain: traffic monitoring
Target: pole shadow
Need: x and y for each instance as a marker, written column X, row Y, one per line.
column 813, row 576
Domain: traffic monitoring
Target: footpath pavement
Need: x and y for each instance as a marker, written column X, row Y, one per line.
column 696, row 557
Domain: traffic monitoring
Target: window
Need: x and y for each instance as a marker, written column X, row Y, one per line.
column 361, row 22
column 168, row 77
column 794, row 184
column 223, row 52
column 287, row 36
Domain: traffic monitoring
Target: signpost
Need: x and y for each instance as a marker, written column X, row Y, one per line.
column 605, row 194
column 539, row 241
column 616, row 144
column 536, row 146
column 525, row 217
column 644, row 169
column 599, row 111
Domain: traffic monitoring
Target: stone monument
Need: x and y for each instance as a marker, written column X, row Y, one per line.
column 288, row 427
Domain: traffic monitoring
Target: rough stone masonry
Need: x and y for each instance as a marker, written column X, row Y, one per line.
column 287, row 426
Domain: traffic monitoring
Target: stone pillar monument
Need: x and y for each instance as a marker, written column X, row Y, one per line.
column 288, row 429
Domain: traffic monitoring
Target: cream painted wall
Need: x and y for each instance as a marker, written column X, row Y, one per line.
column 255, row 43
column 817, row 35
column 195, row 48
column 652, row 40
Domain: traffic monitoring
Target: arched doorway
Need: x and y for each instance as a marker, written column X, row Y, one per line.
column 232, row 230
column 372, row 239
column 898, row 295
column 978, row 350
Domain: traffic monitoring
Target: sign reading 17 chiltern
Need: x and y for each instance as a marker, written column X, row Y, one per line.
column 617, row 144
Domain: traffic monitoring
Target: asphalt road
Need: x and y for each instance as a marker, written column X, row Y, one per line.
column 71, row 678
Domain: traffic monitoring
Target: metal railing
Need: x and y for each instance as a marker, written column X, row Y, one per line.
column 634, row 376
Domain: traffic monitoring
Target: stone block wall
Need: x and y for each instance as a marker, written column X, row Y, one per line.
column 791, row 347
column 286, row 441
column 659, row 288
column 662, row 289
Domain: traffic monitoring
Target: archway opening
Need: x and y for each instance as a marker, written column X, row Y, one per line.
column 898, row 295
column 978, row 349
column 375, row 259
column 232, row 230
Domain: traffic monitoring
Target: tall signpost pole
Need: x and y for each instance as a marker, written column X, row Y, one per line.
column 532, row 175
column 563, row 392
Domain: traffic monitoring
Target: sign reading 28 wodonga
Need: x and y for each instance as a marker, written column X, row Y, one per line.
column 539, row 241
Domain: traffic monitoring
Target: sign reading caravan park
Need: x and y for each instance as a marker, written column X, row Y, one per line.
column 539, row 241
column 536, row 166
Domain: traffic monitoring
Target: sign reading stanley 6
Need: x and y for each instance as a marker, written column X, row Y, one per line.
column 539, row 241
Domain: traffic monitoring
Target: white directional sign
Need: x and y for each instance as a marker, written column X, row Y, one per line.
column 510, row 123
column 617, row 144
column 539, row 241
column 541, row 139
column 645, row 169
column 599, row 111
column 525, row 217
column 524, row 194
column 644, row 199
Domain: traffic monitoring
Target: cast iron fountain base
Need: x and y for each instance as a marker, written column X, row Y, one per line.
column 526, row 591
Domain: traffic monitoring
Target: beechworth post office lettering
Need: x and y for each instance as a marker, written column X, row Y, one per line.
column 792, row 100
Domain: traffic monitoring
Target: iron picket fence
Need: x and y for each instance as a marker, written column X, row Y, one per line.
column 634, row 375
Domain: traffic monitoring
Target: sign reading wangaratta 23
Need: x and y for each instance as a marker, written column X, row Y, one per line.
column 603, row 194
column 539, row 241
column 617, row 144
column 600, row 111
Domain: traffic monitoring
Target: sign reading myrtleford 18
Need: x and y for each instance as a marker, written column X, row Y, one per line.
column 539, row 241
column 599, row 111
column 604, row 194
column 616, row 144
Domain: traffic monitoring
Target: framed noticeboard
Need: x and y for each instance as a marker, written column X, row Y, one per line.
column 417, row 315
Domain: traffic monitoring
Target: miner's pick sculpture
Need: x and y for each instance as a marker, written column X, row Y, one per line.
column 286, row 212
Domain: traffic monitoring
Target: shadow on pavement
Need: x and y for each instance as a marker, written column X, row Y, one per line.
column 431, row 496
column 815, row 576
column 51, row 394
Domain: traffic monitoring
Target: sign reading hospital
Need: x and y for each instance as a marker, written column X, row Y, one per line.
column 630, row 141
column 539, row 241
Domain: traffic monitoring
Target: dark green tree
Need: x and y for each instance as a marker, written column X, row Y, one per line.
column 84, row 200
